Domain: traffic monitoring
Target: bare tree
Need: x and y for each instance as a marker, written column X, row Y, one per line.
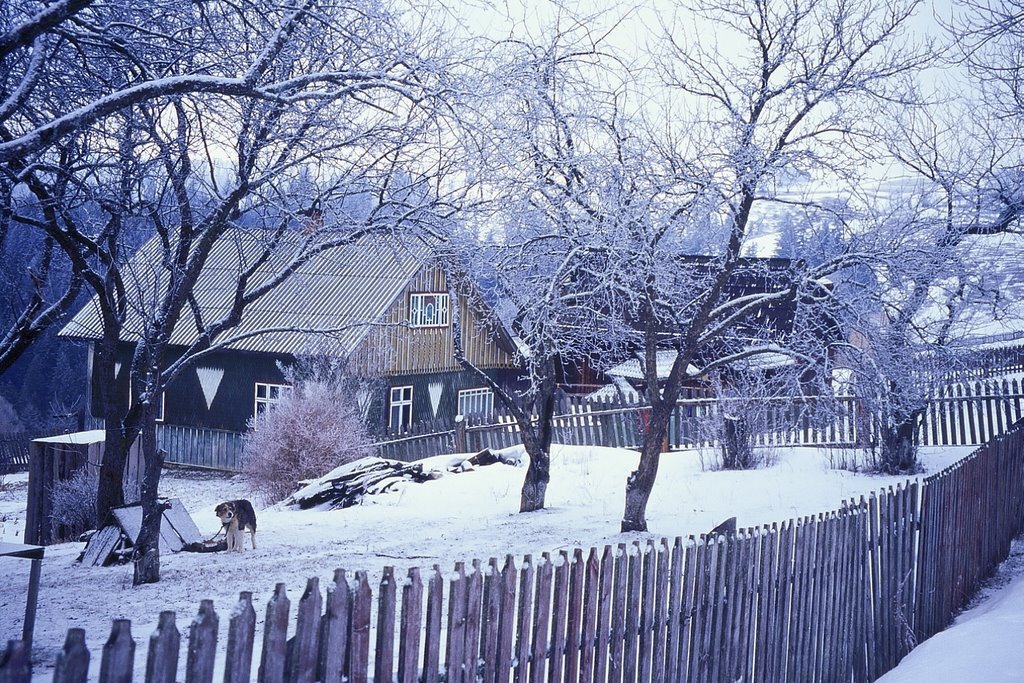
column 796, row 90
column 545, row 156
column 255, row 185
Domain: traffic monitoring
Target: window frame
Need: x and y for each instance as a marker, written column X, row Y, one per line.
column 284, row 390
column 478, row 392
column 402, row 404
column 416, row 312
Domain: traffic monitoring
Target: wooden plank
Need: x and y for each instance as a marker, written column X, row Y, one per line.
column 305, row 645
column 491, row 618
column 162, row 657
column 634, row 607
column 525, row 620
column 118, row 658
column 506, row 626
column 454, row 654
column 574, row 617
column 359, row 632
column 541, row 620
column 202, row 645
column 411, row 627
column 606, row 590
column 659, row 629
column 559, row 617
column 16, row 663
column 674, row 614
column 100, row 546
column 471, row 646
column 72, row 664
column 645, row 651
column 588, row 628
column 617, row 634
column 241, row 638
column 275, row 637
column 334, row 628
column 432, row 637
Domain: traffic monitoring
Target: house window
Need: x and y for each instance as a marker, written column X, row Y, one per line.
column 401, row 407
column 476, row 402
column 269, row 395
column 428, row 310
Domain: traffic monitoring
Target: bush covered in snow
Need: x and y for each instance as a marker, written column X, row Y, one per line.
column 314, row 429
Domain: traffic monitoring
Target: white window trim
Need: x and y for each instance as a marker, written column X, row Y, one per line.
column 401, row 403
column 283, row 391
column 442, row 310
column 476, row 393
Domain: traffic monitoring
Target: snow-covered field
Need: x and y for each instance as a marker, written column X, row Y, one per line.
column 464, row 516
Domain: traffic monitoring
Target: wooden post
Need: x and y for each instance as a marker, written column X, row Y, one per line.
column 334, row 630
column 385, row 648
column 164, row 644
column 118, row 654
column 460, row 434
column 202, row 644
column 15, row 664
column 275, row 637
column 241, row 633
column 73, row 661
column 305, row 644
column 412, row 622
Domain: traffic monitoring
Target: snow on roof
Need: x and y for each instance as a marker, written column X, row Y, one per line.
column 91, row 436
column 634, row 369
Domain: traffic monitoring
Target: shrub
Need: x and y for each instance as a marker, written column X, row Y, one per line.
column 309, row 433
column 74, row 502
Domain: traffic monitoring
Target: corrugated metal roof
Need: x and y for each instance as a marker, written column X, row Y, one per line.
column 329, row 302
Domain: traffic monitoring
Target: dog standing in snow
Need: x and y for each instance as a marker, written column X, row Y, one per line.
column 236, row 516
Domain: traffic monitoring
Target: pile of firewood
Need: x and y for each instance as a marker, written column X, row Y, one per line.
column 346, row 485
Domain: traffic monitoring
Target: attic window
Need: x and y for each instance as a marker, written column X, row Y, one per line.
column 428, row 309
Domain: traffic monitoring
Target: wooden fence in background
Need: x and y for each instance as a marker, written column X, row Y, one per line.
column 841, row 596
column 14, row 448
column 212, row 448
column 963, row 414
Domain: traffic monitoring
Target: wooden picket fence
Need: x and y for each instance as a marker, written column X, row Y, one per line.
column 836, row 597
column 967, row 413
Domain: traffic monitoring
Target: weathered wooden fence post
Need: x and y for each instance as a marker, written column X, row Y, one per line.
column 202, row 644
column 334, row 628
column 73, row 660
column 241, row 634
column 162, row 658
column 304, row 646
column 118, row 654
column 15, row 663
column 275, row 637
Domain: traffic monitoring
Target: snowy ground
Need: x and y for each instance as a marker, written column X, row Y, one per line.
column 458, row 517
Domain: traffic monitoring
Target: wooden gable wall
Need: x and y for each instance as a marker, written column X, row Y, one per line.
column 394, row 348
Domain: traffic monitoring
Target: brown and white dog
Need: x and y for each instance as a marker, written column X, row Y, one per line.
column 237, row 516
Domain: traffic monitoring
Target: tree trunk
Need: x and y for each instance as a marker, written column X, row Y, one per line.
column 899, row 445
column 641, row 481
column 147, row 549
column 116, row 445
column 737, row 453
column 537, row 441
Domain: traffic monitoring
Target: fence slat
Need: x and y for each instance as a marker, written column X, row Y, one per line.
column 334, row 630
column 275, row 637
column 305, row 644
column 72, row 664
column 162, row 657
column 411, row 626
column 359, row 631
column 241, row 637
column 118, row 654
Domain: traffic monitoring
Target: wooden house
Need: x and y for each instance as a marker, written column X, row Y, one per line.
column 382, row 305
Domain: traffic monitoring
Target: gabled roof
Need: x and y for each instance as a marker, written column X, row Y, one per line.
column 327, row 303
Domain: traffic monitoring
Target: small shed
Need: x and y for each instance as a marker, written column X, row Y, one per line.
column 53, row 459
